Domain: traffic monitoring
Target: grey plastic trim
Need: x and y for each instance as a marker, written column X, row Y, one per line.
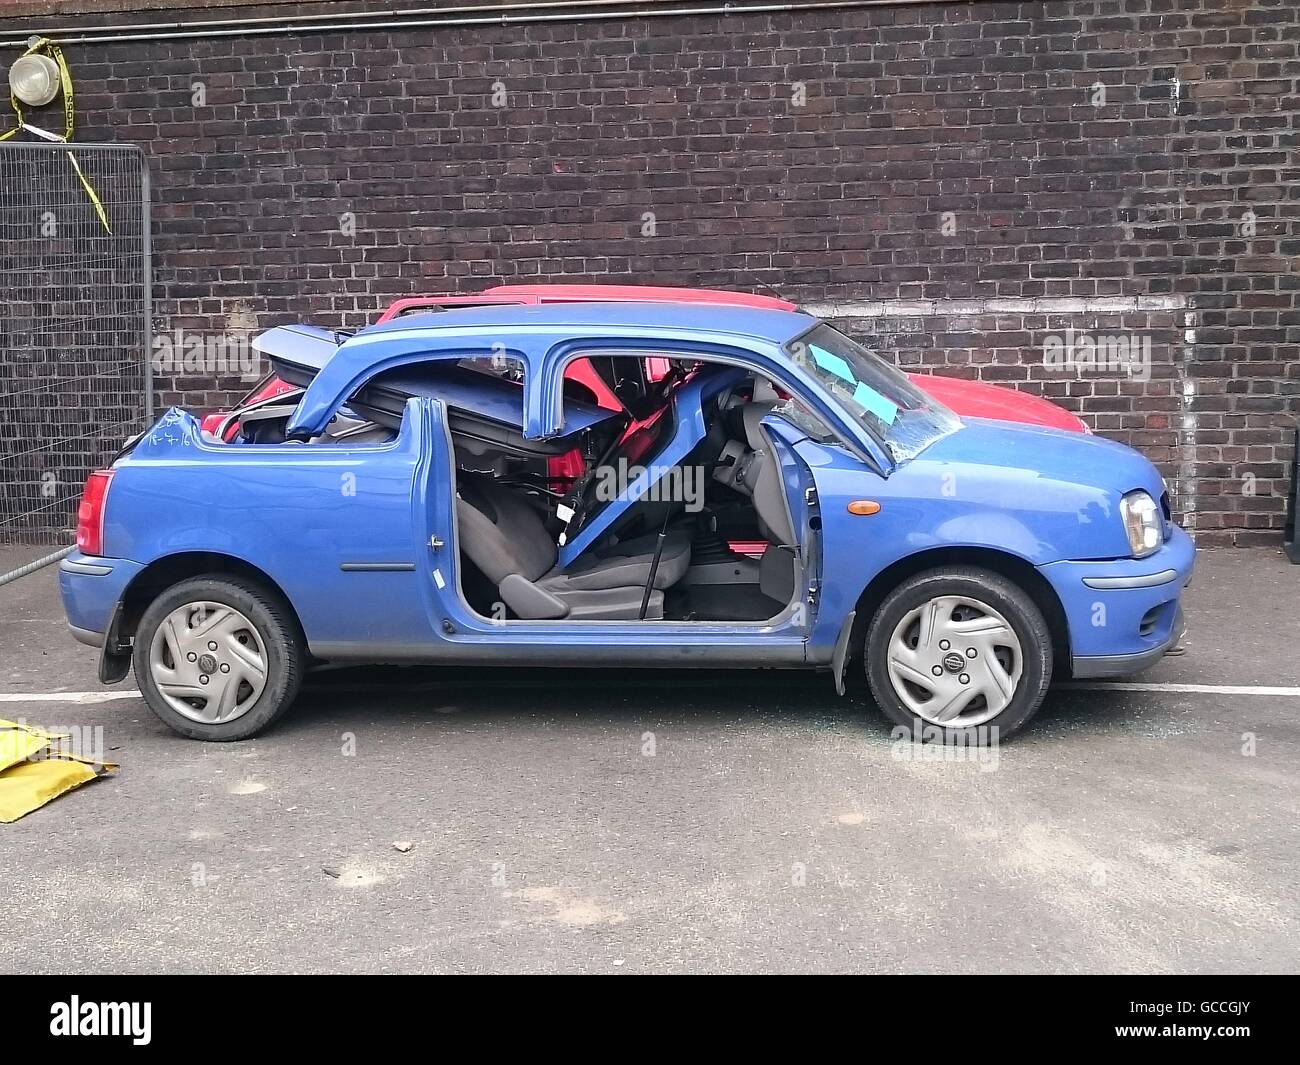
column 530, row 601
column 757, row 654
column 1144, row 580
column 1116, row 665
column 87, row 636
column 1093, row 666
column 743, row 570
column 87, row 569
column 377, row 567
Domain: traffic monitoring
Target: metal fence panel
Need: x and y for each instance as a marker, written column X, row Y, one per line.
column 74, row 326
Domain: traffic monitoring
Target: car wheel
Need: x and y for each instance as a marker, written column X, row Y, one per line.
column 218, row 658
column 961, row 650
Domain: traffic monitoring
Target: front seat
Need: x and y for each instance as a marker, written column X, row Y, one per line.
column 757, row 473
column 505, row 538
column 762, row 477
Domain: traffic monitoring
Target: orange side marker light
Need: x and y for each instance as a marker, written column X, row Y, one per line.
column 864, row 507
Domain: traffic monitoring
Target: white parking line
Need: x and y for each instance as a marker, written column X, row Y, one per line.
column 80, row 698
column 1193, row 689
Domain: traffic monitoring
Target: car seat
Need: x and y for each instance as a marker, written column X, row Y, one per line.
column 503, row 535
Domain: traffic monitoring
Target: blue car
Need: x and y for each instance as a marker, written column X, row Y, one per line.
column 779, row 498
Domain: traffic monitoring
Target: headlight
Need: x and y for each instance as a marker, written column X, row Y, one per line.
column 1142, row 522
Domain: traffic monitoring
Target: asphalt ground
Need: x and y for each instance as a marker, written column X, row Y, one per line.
column 636, row 821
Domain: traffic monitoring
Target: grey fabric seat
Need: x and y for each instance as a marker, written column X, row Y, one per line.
column 627, row 563
column 505, row 538
column 762, row 478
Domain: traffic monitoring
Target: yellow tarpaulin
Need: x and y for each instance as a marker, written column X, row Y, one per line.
column 33, row 769
column 19, row 742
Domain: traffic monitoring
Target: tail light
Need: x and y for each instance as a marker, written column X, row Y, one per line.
column 90, row 514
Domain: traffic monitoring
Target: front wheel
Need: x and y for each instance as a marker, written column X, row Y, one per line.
column 960, row 649
column 218, row 658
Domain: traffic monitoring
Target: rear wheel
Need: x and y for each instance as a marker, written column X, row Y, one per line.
column 218, row 658
column 960, row 649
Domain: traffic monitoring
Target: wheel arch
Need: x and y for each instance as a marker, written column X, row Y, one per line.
column 164, row 572
column 1013, row 567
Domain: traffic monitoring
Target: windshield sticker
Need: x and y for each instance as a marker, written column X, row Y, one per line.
column 833, row 364
column 874, row 403
column 864, row 396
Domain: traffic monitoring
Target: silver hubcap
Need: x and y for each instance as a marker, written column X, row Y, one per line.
column 208, row 662
column 955, row 661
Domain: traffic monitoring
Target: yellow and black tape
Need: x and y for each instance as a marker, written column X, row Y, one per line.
column 48, row 47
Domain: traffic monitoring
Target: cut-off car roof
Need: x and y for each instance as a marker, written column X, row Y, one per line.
column 529, row 333
column 763, row 323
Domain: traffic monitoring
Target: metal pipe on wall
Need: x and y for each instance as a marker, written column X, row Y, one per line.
column 494, row 15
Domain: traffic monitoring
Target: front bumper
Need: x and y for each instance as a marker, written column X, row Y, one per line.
column 1124, row 614
column 1092, row 666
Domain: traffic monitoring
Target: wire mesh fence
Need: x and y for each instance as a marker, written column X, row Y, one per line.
column 74, row 326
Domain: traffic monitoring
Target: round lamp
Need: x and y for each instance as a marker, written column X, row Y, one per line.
column 34, row 79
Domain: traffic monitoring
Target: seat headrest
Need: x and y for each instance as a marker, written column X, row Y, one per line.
column 477, row 492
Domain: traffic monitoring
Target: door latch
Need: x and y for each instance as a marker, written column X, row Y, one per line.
column 435, row 542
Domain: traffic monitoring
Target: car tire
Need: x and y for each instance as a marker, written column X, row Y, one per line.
column 246, row 639
column 933, row 619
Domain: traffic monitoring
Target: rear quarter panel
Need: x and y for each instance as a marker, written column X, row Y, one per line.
column 296, row 512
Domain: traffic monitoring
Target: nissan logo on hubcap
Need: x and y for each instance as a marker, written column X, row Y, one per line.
column 953, row 662
column 208, row 664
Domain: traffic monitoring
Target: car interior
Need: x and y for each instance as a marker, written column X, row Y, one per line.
column 630, row 515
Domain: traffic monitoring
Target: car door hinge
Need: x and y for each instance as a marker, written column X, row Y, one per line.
column 814, row 587
column 810, row 496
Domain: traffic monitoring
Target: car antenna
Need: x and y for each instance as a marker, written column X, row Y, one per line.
column 759, row 282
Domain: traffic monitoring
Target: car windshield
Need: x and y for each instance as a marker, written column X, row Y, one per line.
column 879, row 396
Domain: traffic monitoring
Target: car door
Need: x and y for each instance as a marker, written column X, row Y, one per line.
column 804, row 505
column 847, row 542
column 825, row 474
column 434, row 513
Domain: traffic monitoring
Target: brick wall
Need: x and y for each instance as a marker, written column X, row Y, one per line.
column 959, row 182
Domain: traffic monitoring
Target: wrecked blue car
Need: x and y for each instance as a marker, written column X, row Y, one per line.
column 437, row 490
